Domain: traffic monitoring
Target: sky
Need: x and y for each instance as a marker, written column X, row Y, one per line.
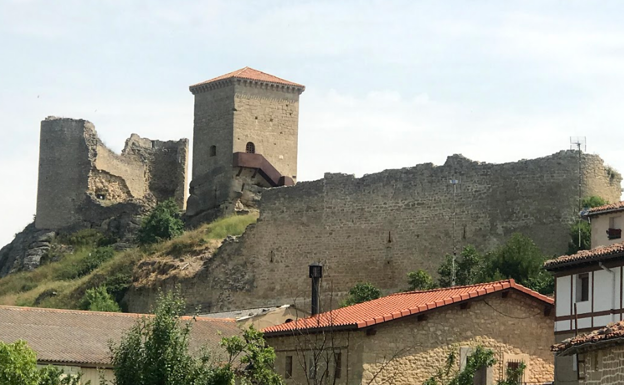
column 389, row 84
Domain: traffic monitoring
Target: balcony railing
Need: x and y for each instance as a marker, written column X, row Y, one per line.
column 614, row 233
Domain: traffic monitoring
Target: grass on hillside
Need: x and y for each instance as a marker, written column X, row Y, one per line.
column 62, row 284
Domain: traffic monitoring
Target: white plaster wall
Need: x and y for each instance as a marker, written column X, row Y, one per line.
column 604, row 289
column 562, row 296
column 599, row 227
column 562, row 326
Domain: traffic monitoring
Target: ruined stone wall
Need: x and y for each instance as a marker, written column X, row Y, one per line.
column 381, row 226
column 79, row 175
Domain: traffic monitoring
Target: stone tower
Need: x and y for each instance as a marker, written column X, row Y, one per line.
column 244, row 138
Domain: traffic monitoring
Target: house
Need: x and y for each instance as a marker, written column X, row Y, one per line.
column 404, row 338
column 589, row 289
column 600, row 354
column 262, row 317
column 78, row 341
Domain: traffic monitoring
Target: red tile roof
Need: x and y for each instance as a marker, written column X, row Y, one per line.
column 587, row 341
column 598, row 254
column 250, row 74
column 618, row 206
column 82, row 337
column 399, row 305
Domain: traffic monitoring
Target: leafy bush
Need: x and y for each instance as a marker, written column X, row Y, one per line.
column 361, row 292
column 98, row 299
column 18, row 366
column 161, row 224
column 519, row 258
column 420, row 280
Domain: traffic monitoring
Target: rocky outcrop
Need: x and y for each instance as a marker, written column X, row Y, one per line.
column 26, row 250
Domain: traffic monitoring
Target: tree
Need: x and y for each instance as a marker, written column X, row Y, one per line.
column 420, row 280
column 519, row 258
column 98, row 299
column 361, row 292
column 255, row 357
column 468, row 268
column 18, row 366
column 161, row 224
column 155, row 352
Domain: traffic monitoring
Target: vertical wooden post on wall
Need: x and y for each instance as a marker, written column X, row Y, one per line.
column 575, row 321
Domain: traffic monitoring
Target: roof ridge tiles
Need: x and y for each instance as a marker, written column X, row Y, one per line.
column 105, row 313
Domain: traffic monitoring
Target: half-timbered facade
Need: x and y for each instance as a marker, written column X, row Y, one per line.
column 589, row 285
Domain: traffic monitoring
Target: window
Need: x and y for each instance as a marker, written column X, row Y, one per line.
column 288, row 367
column 582, row 287
column 213, row 151
column 338, row 363
column 250, row 148
column 614, row 231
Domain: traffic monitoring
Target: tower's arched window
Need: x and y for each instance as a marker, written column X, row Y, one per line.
column 250, row 148
column 213, row 150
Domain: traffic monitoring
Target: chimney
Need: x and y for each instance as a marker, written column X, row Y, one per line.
column 316, row 273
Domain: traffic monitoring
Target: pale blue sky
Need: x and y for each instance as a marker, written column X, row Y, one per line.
column 389, row 83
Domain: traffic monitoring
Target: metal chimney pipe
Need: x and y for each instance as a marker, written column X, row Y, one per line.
column 316, row 273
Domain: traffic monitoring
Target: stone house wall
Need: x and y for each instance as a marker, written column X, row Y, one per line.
column 603, row 366
column 409, row 351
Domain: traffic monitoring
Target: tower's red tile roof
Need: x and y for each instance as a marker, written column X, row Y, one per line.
column 590, row 340
column 250, row 74
column 82, row 337
column 597, row 254
column 618, row 206
column 399, row 305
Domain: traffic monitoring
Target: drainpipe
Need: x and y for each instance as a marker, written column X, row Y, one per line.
column 603, row 267
column 316, row 273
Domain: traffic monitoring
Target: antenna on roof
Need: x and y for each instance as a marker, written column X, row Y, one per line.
column 579, row 143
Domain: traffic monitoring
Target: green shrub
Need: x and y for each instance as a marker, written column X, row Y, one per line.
column 420, row 280
column 98, row 299
column 161, row 224
column 362, row 292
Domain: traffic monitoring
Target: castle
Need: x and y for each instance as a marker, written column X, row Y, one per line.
column 375, row 228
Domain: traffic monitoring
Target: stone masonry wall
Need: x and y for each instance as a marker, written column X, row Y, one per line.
column 226, row 119
column 269, row 119
column 604, row 366
column 409, row 351
column 381, row 226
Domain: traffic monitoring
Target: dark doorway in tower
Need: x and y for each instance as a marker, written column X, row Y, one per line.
column 250, row 148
